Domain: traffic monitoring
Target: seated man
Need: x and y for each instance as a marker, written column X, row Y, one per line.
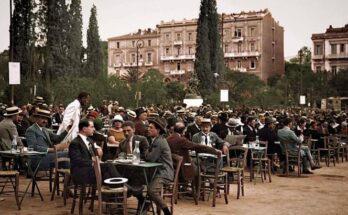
column 42, row 140
column 286, row 134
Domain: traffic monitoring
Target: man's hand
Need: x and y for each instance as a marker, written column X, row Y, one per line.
column 225, row 150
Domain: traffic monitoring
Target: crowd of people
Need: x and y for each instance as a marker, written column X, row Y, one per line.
column 81, row 132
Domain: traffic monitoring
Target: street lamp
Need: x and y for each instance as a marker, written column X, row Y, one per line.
column 139, row 44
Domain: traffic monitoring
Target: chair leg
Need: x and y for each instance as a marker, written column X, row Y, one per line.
column 74, row 200
column 238, row 185
column 54, row 187
column 194, row 192
column 16, row 191
column 81, row 197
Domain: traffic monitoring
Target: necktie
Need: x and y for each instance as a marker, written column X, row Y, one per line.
column 206, row 140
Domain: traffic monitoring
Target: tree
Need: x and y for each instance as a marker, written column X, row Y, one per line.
column 175, row 91
column 74, row 37
column 94, row 64
column 202, row 64
column 339, row 83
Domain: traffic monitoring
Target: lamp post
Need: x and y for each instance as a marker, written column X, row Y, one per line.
column 11, row 50
column 139, row 44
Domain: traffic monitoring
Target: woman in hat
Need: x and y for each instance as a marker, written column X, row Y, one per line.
column 115, row 134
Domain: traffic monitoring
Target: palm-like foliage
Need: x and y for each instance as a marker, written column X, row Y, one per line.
column 132, row 76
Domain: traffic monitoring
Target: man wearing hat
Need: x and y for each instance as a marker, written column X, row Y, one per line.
column 159, row 152
column 220, row 128
column 8, row 129
column 194, row 128
column 268, row 133
column 43, row 140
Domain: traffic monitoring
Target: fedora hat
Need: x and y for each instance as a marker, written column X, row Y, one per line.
column 42, row 113
column 232, row 122
column 270, row 120
column 160, row 122
column 12, row 111
column 140, row 111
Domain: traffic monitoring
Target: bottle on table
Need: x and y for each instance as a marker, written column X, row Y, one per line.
column 14, row 144
column 136, row 153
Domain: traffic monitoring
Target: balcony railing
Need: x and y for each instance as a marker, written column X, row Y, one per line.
column 237, row 39
column 317, row 57
column 148, row 63
column 116, row 65
column 242, row 54
column 340, row 55
column 178, row 57
column 175, row 72
column 177, row 42
column 242, row 69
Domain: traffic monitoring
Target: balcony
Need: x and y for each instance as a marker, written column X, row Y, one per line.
column 241, row 54
column 175, row 72
column 237, row 39
column 337, row 56
column 317, row 57
column 117, row 65
column 242, row 69
column 178, row 57
column 177, row 42
column 149, row 63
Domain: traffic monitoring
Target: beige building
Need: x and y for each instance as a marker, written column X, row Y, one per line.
column 252, row 42
column 330, row 50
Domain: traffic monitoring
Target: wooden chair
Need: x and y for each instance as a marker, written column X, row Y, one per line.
column 171, row 190
column 65, row 173
column 189, row 182
column 260, row 160
column 7, row 176
column 117, row 196
column 235, row 168
column 328, row 151
column 292, row 158
column 212, row 182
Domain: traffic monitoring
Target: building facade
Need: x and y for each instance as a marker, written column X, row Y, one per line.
column 252, row 42
column 330, row 50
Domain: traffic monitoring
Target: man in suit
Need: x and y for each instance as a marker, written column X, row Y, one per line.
column 8, row 129
column 81, row 152
column 194, row 128
column 42, row 140
column 286, row 134
column 159, row 152
column 58, row 116
column 72, row 116
column 141, row 122
column 249, row 130
column 127, row 145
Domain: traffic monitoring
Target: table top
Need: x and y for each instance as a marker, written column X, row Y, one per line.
column 26, row 153
column 253, row 147
column 129, row 163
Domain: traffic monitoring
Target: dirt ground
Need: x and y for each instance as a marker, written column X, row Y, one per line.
column 325, row 192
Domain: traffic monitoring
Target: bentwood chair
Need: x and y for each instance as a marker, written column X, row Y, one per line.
column 235, row 168
column 212, row 182
column 10, row 178
column 171, row 190
column 115, row 196
column 65, row 173
column 292, row 158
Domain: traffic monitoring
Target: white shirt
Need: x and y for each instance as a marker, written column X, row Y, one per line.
column 84, row 138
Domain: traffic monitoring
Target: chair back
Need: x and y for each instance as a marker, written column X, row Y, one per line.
column 58, row 160
column 98, row 177
column 292, row 158
column 235, row 139
column 238, row 156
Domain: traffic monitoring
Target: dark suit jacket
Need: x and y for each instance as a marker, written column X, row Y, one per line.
column 250, row 134
column 143, row 145
column 81, row 168
column 191, row 130
column 180, row 145
column 140, row 128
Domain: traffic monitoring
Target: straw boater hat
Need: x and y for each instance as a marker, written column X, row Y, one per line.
column 160, row 122
column 206, row 121
column 11, row 111
column 131, row 114
column 232, row 122
column 42, row 113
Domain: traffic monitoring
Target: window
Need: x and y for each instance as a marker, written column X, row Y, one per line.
column 252, row 31
column 118, row 45
column 167, row 51
column 342, row 48
column 149, row 43
column 189, row 50
column 252, row 46
column 178, row 66
column 333, row 49
column 252, row 64
column 238, row 32
column 133, row 44
column 189, row 36
column 226, row 48
column 133, row 58
column 239, row 64
column 317, row 49
column 149, row 57
column 117, row 59
column 239, row 47
column 167, row 37
column 178, row 50
column 178, row 36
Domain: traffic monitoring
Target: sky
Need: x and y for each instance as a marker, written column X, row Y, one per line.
column 300, row 18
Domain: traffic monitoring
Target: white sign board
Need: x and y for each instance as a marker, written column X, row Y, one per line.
column 323, row 104
column 302, row 100
column 14, row 69
column 193, row 102
column 223, row 95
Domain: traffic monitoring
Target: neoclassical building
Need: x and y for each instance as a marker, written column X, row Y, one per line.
column 330, row 50
column 252, row 42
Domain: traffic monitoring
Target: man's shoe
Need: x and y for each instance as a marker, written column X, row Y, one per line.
column 307, row 172
column 315, row 167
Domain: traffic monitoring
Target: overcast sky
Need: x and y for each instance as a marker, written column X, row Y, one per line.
column 300, row 18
